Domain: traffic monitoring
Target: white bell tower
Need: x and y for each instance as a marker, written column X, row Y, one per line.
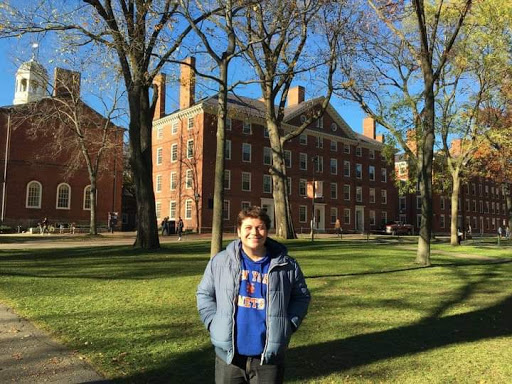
column 31, row 82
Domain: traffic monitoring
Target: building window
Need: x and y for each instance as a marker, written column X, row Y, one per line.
column 159, row 156
column 246, row 205
column 418, row 202
column 481, row 207
column 372, row 195
column 359, row 194
column 158, row 183
column 474, row 205
column 319, row 142
column 441, row 203
column 346, row 149
column 384, row 196
column 346, row 216
column 267, row 156
column 174, row 152
column 267, row 184
column 246, row 129
column 225, row 210
column 383, row 175
column 303, row 161
column 229, row 124
column 174, row 128
column 303, row 217
column 402, row 203
column 188, row 209
column 246, row 152
column 418, row 221
column 371, row 172
column 159, row 133
column 34, row 194
column 442, row 222
column 303, row 187
column 288, row 159
column 303, row 139
column 468, row 206
column 359, row 151
column 174, row 180
column 189, row 179
column 319, row 164
column 334, row 166
column 383, row 217
column 190, row 149
column 246, row 181
column 266, row 135
column 158, row 209
column 289, row 185
column 320, row 123
column 87, row 198
column 334, row 214
column 359, row 171
column 334, row 146
column 227, row 150
column 334, row 190
column 372, row 154
column 190, row 123
column 172, row 210
column 63, row 196
column 227, row 179
column 346, row 168
column 346, row 192
column 372, row 218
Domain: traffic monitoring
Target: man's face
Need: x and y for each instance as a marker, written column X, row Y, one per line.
column 253, row 233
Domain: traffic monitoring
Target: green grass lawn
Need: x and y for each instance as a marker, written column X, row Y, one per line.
column 375, row 315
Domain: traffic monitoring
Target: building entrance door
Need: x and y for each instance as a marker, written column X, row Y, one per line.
column 359, row 223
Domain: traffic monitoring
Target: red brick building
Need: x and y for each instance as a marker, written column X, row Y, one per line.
column 34, row 182
column 353, row 182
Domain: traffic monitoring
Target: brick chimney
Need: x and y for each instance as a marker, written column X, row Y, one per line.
column 369, row 128
column 187, row 83
column 159, row 81
column 380, row 138
column 66, row 83
column 296, row 95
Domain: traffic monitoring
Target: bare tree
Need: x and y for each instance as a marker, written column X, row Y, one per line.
column 390, row 66
column 274, row 38
column 142, row 35
column 79, row 134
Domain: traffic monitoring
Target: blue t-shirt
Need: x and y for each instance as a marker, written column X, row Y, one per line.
column 251, row 312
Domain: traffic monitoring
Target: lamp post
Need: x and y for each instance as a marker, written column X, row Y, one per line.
column 197, row 196
column 313, row 219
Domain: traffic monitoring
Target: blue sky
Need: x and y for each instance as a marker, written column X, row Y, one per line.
column 11, row 52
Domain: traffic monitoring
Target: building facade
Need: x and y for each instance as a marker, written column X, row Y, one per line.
column 352, row 181
column 35, row 182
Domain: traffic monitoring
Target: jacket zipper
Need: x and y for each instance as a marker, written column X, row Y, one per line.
column 266, row 312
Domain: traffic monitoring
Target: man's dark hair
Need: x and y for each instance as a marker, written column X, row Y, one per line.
column 253, row 212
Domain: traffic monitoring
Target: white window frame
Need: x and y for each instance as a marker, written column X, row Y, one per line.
column 174, row 128
column 371, row 196
column 303, row 186
column 359, row 194
column 173, row 181
column 188, row 209
column 303, row 209
column 189, row 179
column 267, row 154
column 303, row 139
column 190, row 123
column 303, row 161
column 227, row 150
column 384, row 196
column 39, row 196
column 247, row 128
column 158, row 183
column 334, row 146
column 334, row 166
column 87, row 197
column 172, row 209
column 333, row 214
column 226, row 208
column 334, row 188
column 288, row 158
column 267, row 181
column 383, row 175
column 359, row 167
column 174, row 152
column 227, row 179
column 345, row 211
column 346, row 189
column 359, row 152
column 371, row 173
column 346, row 170
column 244, row 146
column 159, row 156
column 249, row 175
column 190, row 148
column 58, row 193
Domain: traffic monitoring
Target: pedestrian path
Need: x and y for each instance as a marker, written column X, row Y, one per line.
column 28, row 355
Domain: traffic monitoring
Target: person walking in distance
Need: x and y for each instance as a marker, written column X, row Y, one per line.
column 179, row 228
column 252, row 297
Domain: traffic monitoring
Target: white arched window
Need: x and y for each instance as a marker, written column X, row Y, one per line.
column 34, row 194
column 87, row 198
column 63, row 196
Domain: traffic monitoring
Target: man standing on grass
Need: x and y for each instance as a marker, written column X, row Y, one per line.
column 252, row 297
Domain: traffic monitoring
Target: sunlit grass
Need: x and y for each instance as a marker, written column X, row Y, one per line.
column 375, row 315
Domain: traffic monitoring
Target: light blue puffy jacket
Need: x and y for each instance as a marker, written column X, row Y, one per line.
column 287, row 300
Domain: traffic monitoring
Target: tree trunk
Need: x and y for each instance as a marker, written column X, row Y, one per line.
column 93, row 229
column 141, row 163
column 508, row 203
column 218, row 193
column 454, row 228
column 425, row 157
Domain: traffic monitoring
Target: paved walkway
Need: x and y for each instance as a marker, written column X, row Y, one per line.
column 29, row 355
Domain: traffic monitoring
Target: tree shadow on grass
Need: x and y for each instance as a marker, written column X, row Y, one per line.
column 335, row 356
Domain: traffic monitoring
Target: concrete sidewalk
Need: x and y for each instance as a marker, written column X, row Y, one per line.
column 29, row 355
